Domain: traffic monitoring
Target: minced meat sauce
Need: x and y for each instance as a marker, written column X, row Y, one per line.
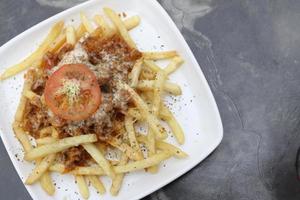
column 111, row 60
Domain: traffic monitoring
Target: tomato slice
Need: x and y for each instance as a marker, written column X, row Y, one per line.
column 72, row 92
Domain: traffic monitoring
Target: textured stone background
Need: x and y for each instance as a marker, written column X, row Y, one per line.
column 249, row 51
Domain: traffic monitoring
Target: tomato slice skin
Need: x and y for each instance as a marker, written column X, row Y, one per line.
column 80, row 82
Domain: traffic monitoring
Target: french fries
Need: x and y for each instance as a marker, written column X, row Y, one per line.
column 31, row 95
column 36, row 55
column 116, row 184
column 142, row 164
column 135, row 73
column 172, row 88
column 99, row 158
column 176, row 128
column 100, row 21
column 151, row 119
column 158, row 90
column 83, row 188
column 80, row 31
column 146, row 85
column 93, row 170
column 164, row 146
column 58, row 42
column 120, row 26
column 40, row 169
column 129, row 23
column 135, row 114
column 22, row 137
column 159, row 55
column 71, row 35
column 174, row 64
column 60, row 145
column 45, row 140
column 132, row 22
column 125, row 148
column 132, row 166
column 151, row 149
column 132, row 139
column 21, row 107
column 117, row 181
column 87, row 24
column 57, row 168
column 47, row 183
column 96, row 183
column 151, row 65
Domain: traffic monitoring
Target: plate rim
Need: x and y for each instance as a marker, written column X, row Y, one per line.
column 197, row 67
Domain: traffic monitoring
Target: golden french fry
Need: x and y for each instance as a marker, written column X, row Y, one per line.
column 117, row 143
column 131, row 135
column 132, row 166
column 158, row 90
column 132, row 22
column 151, row 150
column 80, row 31
column 40, row 169
column 147, row 74
column 30, row 95
column 117, row 181
column 22, row 137
column 47, row 184
column 129, row 23
column 148, row 85
column 60, row 145
column 169, row 147
column 83, row 188
column 36, row 55
column 98, row 32
column 151, row 142
column 100, row 21
column 21, row 107
column 178, row 153
column 135, row 73
column 96, row 183
column 99, row 158
column 45, row 140
column 159, row 55
column 152, row 120
column 87, row 24
column 60, row 168
column 116, row 184
column 20, row 110
column 174, row 125
column 164, row 114
column 133, row 112
column 93, row 170
column 142, row 164
column 71, row 35
column 120, row 26
column 151, row 65
column 58, row 43
column 174, row 65
column 172, row 88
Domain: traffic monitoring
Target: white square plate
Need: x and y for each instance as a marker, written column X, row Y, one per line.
column 195, row 110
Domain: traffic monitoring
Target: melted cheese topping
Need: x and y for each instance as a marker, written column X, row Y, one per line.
column 70, row 88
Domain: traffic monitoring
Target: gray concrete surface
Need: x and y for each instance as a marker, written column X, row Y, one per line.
column 249, row 51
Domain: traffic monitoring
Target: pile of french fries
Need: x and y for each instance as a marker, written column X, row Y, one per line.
column 148, row 83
